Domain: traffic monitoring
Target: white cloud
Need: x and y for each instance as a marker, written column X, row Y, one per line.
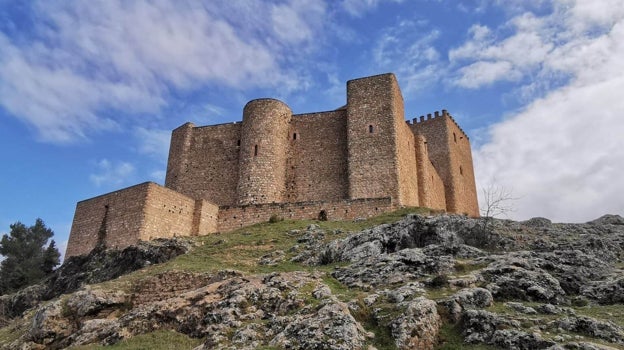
column 113, row 174
column 84, row 59
column 296, row 21
column 563, row 155
column 359, row 7
column 486, row 60
column 483, row 73
column 154, row 142
column 409, row 51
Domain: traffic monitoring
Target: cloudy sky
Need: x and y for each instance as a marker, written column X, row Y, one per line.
column 90, row 90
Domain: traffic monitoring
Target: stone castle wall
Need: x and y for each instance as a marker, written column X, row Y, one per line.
column 371, row 135
column 122, row 218
column 448, row 148
column 264, row 145
column 231, row 218
column 357, row 161
column 431, row 188
column 316, row 168
column 204, row 162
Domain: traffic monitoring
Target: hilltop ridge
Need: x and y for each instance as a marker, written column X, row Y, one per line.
column 423, row 281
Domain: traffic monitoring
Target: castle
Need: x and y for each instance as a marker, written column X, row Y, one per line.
column 356, row 161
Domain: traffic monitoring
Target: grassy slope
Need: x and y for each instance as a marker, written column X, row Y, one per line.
column 240, row 250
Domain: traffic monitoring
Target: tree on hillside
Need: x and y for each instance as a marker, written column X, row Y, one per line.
column 498, row 201
column 28, row 257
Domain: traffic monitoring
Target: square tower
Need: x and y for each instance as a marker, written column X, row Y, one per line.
column 381, row 153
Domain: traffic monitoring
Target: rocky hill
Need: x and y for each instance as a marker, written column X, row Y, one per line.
column 422, row 282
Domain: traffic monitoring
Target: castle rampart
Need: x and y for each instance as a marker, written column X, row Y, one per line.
column 122, row 218
column 317, row 160
column 356, row 161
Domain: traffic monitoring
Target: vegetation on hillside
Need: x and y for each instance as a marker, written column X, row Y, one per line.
column 28, row 257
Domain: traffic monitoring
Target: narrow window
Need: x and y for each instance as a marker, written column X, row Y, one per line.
column 454, row 137
column 255, row 150
column 294, row 136
column 461, row 170
column 238, row 143
column 371, row 129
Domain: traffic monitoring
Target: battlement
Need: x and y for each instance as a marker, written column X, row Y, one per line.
column 437, row 114
column 359, row 160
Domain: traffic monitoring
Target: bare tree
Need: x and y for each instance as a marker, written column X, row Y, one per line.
column 498, row 201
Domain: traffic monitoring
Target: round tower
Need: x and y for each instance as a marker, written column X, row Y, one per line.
column 263, row 151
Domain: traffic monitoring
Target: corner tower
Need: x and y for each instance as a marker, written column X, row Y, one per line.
column 381, row 159
column 179, row 153
column 263, row 152
column 449, row 151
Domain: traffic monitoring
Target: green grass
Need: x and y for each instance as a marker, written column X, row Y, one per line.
column 241, row 249
column 451, row 339
column 466, row 266
column 613, row 313
column 439, row 293
column 16, row 329
column 159, row 340
column 11, row 333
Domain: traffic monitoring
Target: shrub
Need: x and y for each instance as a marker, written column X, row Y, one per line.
column 275, row 218
column 439, row 281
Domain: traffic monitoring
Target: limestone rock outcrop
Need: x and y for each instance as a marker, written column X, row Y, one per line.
column 419, row 283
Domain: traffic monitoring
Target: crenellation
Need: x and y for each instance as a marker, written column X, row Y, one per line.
column 439, row 114
column 358, row 160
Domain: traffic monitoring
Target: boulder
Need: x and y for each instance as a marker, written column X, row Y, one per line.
column 466, row 299
column 418, row 326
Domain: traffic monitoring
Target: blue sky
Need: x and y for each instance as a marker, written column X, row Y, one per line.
column 90, row 90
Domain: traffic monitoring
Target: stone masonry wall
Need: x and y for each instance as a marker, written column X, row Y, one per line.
column 205, row 218
column 118, row 214
column 461, row 160
column 407, row 169
column 431, row 187
column 231, row 218
column 357, row 161
column 449, row 151
column 371, row 137
column 142, row 212
column 316, row 168
column 167, row 214
column 178, row 163
column 264, row 146
column 204, row 164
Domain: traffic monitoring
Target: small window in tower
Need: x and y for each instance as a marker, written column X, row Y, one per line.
column 371, row 129
column 294, row 136
column 255, row 150
column 454, row 137
column 461, row 170
column 238, row 143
